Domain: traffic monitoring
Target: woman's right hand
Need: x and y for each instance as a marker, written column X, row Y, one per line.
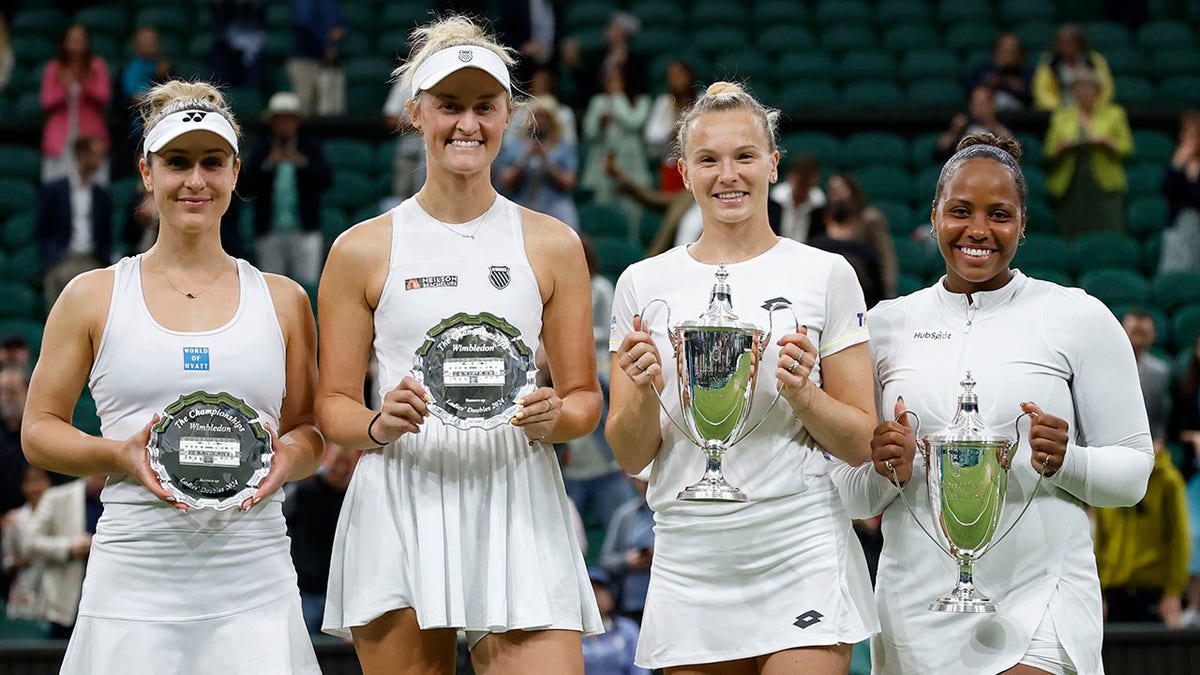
column 893, row 447
column 134, row 460
column 403, row 411
column 638, row 356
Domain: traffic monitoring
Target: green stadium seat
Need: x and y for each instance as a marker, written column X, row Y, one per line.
column 45, row 21
column 658, row 13
column 1184, row 88
column 279, row 17
column 334, row 221
column 1176, row 289
column 717, row 13
column 587, row 14
column 401, row 15
column 1146, row 216
column 1039, row 217
column 886, row 182
column 899, row 216
column 803, row 67
column 600, row 221
column 823, row 147
column 651, row 40
column 357, row 44
column 796, row 97
column 1185, row 326
column 34, row 50
column 18, row 229
column 85, row 417
column 17, row 300
column 1016, row 11
column 921, row 63
column 360, row 19
column 833, row 12
column 350, row 191
column 1131, row 89
column 935, row 92
column 889, row 12
column 29, row 329
column 747, row 65
column 1153, row 146
column 1151, row 254
column 905, row 36
column 104, row 19
column 875, row 147
column 917, row 258
column 1031, row 144
column 1044, row 251
column 1154, row 35
column 648, row 225
column 246, row 102
column 777, row 12
column 1115, row 286
column 865, row 64
column 16, row 195
column 921, row 149
column 872, row 94
column 925, row 185
column 1036, row 36
column 969, row 36
column 1162, row 325
column 780, row 40
column 1035, row 178
column 617, row 253
column 1053, row 276
column 344, row 154
column 908, row 283
column 952, row 12
column 23, row 264
column 366, row 212
column 719, row 40
column 1107, row 35
column 1125, row 61
column 22, row 162
column 1145, row 179
column 1105, row 250
column 844, row 37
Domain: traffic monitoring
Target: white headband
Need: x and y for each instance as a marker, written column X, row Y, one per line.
column 452, row 59
column 176, row 124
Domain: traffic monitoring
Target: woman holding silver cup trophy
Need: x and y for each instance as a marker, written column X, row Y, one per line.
column 457, row 517
column 190, row 568
column 755, row 568
column 1028, row 598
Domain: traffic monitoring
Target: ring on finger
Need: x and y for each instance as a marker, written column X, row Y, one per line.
column 640, row 366
column 795, row 364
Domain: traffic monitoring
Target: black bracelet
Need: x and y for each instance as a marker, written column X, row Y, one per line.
column 370, row 435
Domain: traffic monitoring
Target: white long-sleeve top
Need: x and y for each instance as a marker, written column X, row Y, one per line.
column 1028, row 341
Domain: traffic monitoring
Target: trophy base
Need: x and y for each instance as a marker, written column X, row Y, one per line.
column 971, row 603
column 712, row 492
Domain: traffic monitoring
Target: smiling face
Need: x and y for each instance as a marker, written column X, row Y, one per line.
column 463, row 119
column 192, row 180
column 729, row 166
column 978, row 221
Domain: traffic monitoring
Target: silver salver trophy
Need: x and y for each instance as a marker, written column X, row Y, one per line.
column 966, row 474
column 475, row 367
column 210, row 451
column 717, row 358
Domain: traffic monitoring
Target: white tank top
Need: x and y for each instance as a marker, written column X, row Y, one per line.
column 141, row 367
column 435, row 273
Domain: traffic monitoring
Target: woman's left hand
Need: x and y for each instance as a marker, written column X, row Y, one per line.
column 540, row 410
column 281, row 467
column 797, row 358
column 1047, row 440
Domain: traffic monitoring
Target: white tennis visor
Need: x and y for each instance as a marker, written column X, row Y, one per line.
column 181, row 122
column 453, row 59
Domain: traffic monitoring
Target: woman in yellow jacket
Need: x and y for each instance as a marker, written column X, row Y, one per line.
column 1086, row 144
column 1072, row 58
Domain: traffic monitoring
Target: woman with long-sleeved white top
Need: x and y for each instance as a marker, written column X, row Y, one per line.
column 1032, row 346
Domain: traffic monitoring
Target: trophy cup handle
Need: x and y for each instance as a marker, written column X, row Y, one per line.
column 762, row 348
column 1006, row 463
column 675, row 346
column 923, row 447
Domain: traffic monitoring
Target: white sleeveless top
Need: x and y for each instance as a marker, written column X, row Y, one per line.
column 435, row 273
column 140, row 368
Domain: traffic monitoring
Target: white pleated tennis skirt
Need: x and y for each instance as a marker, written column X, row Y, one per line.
column 735, row 581
column 471, row 529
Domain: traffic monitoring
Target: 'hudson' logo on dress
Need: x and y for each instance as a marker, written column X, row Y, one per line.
column 195, row 358
column 440, row 281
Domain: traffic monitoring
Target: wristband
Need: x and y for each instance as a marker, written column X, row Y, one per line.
column 370, row 435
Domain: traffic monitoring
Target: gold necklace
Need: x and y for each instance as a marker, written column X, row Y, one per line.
column 465, row 235
column 190, row 296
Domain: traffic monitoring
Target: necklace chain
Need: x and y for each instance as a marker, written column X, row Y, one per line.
column 465, row 235
column 190, row 296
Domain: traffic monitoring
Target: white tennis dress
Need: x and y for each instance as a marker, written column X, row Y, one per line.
column 784, row 569
column 470, row 528
column 205, row 591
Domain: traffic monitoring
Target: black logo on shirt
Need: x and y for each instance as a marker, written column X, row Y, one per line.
column 809, row 618
column 776, row 303
column 499, row 276
column 439, row 281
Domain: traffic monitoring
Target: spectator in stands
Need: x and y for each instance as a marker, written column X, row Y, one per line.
column 531, row 27
column 681, row 222
column 613, row 126
column 286, row 173
column 628, row 551
column 871, row 226
column 539, row 171
column 239, row 41
column 979, row 118
column 141, row 221
column 147, row 67
column 619, row 53
column 25, row 599
column 59, row 536
column 1070, row 60
column 7, row 58
column 1086, row 145
column 14, row 351
column 75, row 93
column 593, row 480
column 1153, row 372
column 1007, row 74
column 315, row 66
column 1184, row 428
column 842, row 234
column 611, row 652
column 801, row 199
column 311, row 510
column 74, row 220
column 14, row 386
column 668, row 107
column 1181, row 187
column 408, row 159
column 1143, row 551
column 543, row 83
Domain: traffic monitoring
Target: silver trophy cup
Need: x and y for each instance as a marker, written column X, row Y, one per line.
column 717, row 358
column 966, row 474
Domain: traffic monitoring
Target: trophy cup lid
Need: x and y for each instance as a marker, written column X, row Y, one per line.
column 720, row 312
column 968, row 426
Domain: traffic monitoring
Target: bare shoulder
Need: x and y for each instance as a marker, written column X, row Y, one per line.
column 364, row 243
column 547, row 235
column 88, row 295
column 285, row 291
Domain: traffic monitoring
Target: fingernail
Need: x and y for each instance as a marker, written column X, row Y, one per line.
column 513, row 420
column 901, row 399
column 428, row 398
column 520, row 401
column 519, row 415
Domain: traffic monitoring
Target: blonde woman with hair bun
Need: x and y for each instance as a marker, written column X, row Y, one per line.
column 168, row 589
column 445, row 528
column 777, row 583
